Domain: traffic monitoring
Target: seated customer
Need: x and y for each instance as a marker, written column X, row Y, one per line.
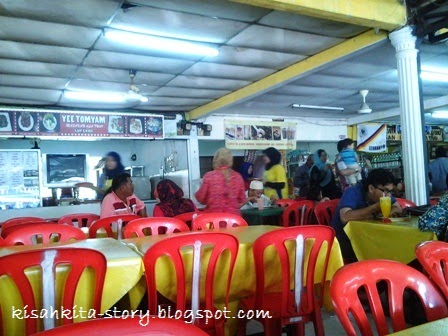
column 362, row 201
column 254, row 193
column 120, row 198
column 171, row 201
column 435, row 219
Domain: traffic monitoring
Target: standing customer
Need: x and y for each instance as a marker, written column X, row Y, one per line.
column 120, row 198
column 171, row 200
column 113, row 167
column 438, row 170
column 302, row 176
column 322, row 181
column 222, row 190
column 275, row 176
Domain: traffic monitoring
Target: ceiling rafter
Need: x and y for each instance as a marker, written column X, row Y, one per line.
column 381, row 14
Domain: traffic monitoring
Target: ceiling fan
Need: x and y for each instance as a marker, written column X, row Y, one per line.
column 134, row 91
column 364, row 108
column 132, row 95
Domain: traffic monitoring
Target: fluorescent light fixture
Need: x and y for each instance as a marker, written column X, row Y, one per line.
column 434, row 76
column 316, row 107
column 440, row 114
column 104, row 97
column 161, row 43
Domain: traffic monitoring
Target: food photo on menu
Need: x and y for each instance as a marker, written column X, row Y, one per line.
column 116, row 124
column 25, row 122
column 49, row 122
column 154, row 125
column 135, row 125
column 5, row 122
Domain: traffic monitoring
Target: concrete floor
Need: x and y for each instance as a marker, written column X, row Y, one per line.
column 331, row 325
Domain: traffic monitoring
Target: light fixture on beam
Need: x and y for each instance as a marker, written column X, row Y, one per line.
column 317, row 107
column 105, row 97
column 161, row 43
column 440, row 114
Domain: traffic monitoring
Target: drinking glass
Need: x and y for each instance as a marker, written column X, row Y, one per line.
column 385, row 204
column 260, row 203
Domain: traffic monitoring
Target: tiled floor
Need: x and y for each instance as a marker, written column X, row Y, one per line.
column 331, row 325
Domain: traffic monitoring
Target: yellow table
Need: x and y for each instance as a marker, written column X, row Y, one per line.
column 373, row 239
column 439, row 327
column 124, row 270
column 243, row 280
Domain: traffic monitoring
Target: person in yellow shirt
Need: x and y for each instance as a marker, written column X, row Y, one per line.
column 274, row 177
column 112, row 167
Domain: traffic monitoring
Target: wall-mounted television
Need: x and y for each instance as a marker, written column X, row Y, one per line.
column 64, row 170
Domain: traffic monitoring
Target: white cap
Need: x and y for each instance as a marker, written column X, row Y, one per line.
column 257, row 185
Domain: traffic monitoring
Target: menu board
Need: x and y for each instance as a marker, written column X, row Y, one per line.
column 81, row 124
column 19, row 179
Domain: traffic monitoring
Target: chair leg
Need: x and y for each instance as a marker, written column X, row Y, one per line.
column 241, row 327
column 272, row 327
column 318, row 323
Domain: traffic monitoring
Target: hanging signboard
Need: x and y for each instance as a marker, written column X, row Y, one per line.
column 80, row 124
column 251, row 134
column 432, row 133
column 372, row 137
column 394, row 133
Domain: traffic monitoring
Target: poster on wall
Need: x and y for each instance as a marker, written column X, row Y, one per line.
column 250, row 134
column 81, row 124
column 372, row 137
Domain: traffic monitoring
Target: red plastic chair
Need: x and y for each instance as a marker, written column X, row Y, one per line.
column 216, row 220
column 300, row 304
column 433, row 255
column 42, row 234
column 298, row 213
column 348, row 280
column 131, row 326
column 187, row 217
column 6, row 231
column 79, row 259
column 153, row 227
column 79, row 220
column 18, row 221
column 284, row 202
column 325, row 212
column 213, row 245
column 404, row 203
column 107, row 222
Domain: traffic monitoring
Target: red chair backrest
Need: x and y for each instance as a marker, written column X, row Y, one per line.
column 42, row 234
column 325, row 212
column 284, row 202
column 107, row 222
column 6, row 231
column 187, row 217
column 14, row 266
column 309, row 240
column 298, row 213
column 433, row 255
column 79, row 220
column 404, row 203
column 153, row 226
column 130, row 326
column 216, row 220
column 18, row 221
column 348, row 280
column 210, row 246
